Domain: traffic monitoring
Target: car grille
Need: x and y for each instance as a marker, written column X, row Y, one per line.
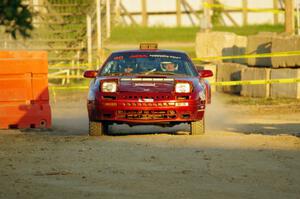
column 148, row 104
column 156, row 97
column 146, row 115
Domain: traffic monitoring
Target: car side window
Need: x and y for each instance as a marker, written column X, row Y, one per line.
column 107, row 68
column 188, row 68
column 111, row 67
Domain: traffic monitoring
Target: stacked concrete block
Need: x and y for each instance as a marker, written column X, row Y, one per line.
column 285, row 90
column 241, row 43
column 229, row 72
column 259, row 44
column 212, row 43
column 283, row 44
column 220, row 44
column 262, row 90
column 228, row 44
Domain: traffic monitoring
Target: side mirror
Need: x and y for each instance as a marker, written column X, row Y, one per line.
column 205, row 73
column 90, row 74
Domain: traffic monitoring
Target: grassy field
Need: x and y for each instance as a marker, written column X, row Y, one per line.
column 137, row 34
column 122, row 36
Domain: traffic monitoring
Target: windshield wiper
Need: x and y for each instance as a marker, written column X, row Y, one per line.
column 148, row 71
column 157, row 72
column 117, row 74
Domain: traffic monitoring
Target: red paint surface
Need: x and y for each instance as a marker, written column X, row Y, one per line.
column 24, row 96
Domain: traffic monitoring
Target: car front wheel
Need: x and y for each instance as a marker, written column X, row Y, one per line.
column 198, row 127
column 97, row 128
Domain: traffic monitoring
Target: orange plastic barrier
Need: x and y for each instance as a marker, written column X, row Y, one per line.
column 24, row 96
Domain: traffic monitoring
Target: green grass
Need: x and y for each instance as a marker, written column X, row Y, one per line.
column 188, row 49
column 137, row 34
column 252, row 29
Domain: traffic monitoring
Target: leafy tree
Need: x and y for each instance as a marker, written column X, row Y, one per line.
column 15, row 17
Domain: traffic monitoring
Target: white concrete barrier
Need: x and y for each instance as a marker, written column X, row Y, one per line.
column 283, row 44
column 229, row 72
column 285, row 90
column 256, row 90
column 210, row 44
column 259, row 44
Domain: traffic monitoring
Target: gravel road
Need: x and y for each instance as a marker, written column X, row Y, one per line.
column 249, row 151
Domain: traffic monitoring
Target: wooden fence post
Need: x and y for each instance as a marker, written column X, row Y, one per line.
column 245, row 12
column 178, row 12
column 108, row 19
column 127, row 13
column 207, row 16
column 191, row 11
column 99, row 34
column 275, row 16
column 298, row 16
column 118, row 11
column 89, row 40
column 289, row 17
column 144, row 13
column 78, row 62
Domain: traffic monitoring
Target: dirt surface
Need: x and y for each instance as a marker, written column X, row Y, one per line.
column 249, row 151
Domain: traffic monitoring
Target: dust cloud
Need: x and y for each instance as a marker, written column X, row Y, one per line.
column 219, row 116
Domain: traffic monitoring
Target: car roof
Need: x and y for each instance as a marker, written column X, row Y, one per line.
column 147, row 51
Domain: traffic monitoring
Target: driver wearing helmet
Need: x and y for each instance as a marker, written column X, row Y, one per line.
column 129, row 68
column 168, row 66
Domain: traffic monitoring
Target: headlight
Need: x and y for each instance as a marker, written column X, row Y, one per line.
column 109, row 87
column 183, row 88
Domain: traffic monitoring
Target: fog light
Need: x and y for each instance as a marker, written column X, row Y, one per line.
column 181, row 104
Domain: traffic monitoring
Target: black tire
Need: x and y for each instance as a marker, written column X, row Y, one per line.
column 97, row 128
column 198, row 127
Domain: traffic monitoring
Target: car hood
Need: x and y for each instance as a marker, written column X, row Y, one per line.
column 146, row 83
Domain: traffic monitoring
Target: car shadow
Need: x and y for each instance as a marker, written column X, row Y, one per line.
column 124, row 129
column 266, row 128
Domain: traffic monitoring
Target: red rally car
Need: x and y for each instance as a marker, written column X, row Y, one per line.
column 147, row 86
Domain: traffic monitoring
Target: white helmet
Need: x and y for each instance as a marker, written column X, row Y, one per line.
column 165, row 63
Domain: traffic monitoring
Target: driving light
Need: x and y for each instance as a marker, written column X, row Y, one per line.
column 183, row 88
column 109, row 87
column 182, row 104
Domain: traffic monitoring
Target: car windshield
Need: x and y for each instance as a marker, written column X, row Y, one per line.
column 148, row 63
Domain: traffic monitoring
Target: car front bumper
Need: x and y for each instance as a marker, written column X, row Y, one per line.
column 133, row 111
